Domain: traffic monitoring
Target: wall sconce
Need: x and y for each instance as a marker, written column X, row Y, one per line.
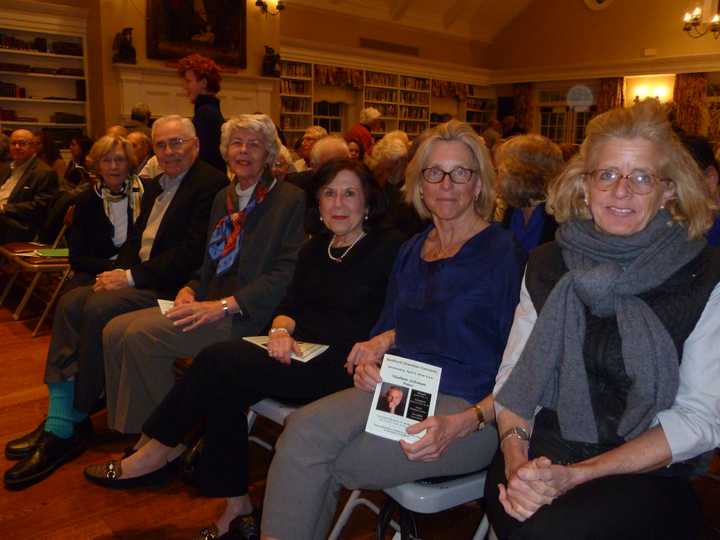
column 695, row 27
column 272, row 7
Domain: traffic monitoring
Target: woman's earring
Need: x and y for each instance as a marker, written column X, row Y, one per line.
column 421, row 194
column 366, row 216
column 321, row 219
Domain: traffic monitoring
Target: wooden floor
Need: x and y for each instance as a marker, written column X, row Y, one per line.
column 65, row 506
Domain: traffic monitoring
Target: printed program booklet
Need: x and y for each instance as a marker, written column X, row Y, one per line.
column 407, row 395
column 310, row 350
column 165, row 305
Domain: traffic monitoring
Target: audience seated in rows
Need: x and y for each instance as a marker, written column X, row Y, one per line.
column 436, row 311
column 27, row 186
column 526, row 165
column 349, row 247
column 104, row 216
column 254, row 235
column 164, row 250
column 609, row 384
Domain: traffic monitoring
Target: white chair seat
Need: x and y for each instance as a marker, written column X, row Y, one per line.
column 431, row 498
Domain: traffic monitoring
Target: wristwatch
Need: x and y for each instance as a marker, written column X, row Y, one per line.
column 516, row 432
column 277, row 329
column 480, row 416
column 226, row 309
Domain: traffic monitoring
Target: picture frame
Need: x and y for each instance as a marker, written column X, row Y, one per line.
column 213, row 28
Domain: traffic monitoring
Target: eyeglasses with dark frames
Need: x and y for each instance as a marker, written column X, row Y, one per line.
column 458, row 175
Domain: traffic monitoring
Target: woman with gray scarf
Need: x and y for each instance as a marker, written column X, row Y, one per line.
column 610, row 383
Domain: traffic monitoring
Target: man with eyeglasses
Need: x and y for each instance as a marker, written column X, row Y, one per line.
column 27, row 186
column 166, row 248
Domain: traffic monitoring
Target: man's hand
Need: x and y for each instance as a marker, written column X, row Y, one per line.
column 110, row 281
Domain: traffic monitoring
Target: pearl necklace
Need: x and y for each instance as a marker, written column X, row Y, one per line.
column 341, row 257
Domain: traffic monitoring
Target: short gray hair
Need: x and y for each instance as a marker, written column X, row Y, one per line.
column 332, row 144
column 261, row 125
column 186, row 124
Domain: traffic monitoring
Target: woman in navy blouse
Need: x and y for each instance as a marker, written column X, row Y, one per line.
column 450, row 303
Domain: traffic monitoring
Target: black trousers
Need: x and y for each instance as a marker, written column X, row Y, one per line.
column 223, row 381
column 623, row 507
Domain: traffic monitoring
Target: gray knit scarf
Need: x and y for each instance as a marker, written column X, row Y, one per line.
column 606, row 274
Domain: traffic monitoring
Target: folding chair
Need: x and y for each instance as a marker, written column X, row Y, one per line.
column 423, row 497
column 17, row 254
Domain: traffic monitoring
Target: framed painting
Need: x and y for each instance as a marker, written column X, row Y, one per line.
column 212, row 28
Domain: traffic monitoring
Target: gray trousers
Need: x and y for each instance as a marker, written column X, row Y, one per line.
column 140, row 350
column 76, row 345
column 324, row 447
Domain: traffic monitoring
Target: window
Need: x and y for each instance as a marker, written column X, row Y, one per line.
column 581, row 122
column 552, row 123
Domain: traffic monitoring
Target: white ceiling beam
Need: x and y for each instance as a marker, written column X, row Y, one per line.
column 398, row 9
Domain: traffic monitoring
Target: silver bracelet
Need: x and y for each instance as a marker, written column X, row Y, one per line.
column 226, row 309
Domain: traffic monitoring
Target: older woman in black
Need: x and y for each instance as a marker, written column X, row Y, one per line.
column 104, row 215
column 335, row 297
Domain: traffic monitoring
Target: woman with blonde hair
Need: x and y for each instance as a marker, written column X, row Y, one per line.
column 610, row 386
column 437, row 311
column 105, row 215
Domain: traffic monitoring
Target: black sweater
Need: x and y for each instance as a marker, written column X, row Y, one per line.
column 338, row 303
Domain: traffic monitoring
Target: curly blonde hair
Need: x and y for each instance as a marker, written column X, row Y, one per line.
column 449, row 132
column 692, row 204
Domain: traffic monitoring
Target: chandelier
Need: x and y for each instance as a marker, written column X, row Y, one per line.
column 695, row 27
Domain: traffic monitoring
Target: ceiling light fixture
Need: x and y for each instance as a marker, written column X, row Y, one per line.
column 272, row 7
column 695, row 27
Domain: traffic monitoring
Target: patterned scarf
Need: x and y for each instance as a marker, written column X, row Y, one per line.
column 226, row 238
column 132, row 188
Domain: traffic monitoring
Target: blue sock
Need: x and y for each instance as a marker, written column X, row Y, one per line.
column 62, row 416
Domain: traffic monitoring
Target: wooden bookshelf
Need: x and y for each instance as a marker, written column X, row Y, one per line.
column 296, row 99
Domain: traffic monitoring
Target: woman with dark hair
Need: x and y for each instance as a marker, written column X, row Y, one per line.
column 76, row 173
column 201, row 81
column 335, row 297
column 47, row 151
column 357, row 150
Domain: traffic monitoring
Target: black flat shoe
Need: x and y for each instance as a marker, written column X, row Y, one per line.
column 24, row 446
column 109, row 475
column 50, row 453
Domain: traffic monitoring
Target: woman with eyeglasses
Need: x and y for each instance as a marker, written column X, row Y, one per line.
column 614, row 364
column 449, row 303
column 104, row 215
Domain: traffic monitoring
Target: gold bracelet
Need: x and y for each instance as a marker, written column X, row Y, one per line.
column 480, row 416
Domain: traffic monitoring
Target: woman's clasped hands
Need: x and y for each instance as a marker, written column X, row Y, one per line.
column 533, row 484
